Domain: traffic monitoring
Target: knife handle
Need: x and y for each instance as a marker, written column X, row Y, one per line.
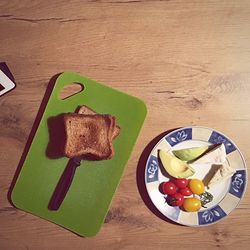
column 64, row 184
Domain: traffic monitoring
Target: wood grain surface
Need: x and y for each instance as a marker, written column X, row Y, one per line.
column 188, row 60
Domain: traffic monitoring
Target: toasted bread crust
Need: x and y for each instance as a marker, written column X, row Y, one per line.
column 88, row 136
column 84, row 110
column 88, row 111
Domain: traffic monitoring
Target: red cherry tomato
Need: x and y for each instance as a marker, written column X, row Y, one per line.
column 185, row 191
column 181, row 182
column 169, row 188
column 176, row 200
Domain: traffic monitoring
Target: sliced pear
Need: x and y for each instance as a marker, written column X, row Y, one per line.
column 174, row 166
column 217, row 155
column 189, row 154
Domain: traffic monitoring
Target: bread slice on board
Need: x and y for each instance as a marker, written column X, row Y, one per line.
column 84, row 110
column 88, row 136
column 88, row 111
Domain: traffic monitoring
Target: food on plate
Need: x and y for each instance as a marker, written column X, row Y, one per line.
column 186, row 191
column 178, row 193
column 174, row 166
column 196, row 186
column 176, row 200
column 217, row 155
column 88, row 136
column 169, row 188
column 190, row 194
column 181, row 182
column 223, row 172
column 189, row 154
column 84, row 110
column 205, row 198
column 192, row 204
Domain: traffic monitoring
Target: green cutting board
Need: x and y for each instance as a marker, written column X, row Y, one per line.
column 89, row 197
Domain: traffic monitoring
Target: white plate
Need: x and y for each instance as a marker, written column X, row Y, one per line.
column 227, row 194
column 6, row 84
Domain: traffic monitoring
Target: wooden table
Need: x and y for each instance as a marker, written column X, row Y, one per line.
column 188, row 60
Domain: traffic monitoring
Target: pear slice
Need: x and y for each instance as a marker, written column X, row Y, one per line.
column 174, row 166
column 189, row 154
column 217, row 155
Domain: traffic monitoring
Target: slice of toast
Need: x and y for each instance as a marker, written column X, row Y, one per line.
column 84, row 110
column 88, row 136
column 88, row 111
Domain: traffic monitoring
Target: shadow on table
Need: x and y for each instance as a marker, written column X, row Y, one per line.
column 32, row 134
column 140, row 176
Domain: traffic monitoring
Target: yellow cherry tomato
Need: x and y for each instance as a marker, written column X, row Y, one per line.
column 192, row 204
column 196, row 186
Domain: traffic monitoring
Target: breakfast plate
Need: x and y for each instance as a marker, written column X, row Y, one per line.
column 226, row 194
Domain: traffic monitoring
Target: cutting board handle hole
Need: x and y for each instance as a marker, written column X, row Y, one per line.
column 70, row 90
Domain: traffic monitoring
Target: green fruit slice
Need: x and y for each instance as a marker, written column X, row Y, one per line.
column 189, row 154
column 174, row 166
column 217, row 155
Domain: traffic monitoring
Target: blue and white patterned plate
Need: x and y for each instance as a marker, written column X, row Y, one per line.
column 227, row 194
